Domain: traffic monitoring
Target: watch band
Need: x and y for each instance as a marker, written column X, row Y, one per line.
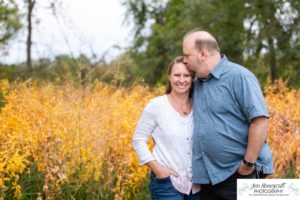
column 249, row 164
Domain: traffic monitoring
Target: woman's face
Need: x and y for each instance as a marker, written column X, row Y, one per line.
column 180, row 78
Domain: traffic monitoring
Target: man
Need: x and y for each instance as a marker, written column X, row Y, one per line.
column 231, row 120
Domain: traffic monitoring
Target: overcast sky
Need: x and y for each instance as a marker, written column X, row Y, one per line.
column 81, row 26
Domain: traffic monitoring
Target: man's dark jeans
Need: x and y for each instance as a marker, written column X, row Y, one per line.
column 225, row 190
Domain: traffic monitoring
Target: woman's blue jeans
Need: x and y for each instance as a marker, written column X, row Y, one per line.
column 162, row 189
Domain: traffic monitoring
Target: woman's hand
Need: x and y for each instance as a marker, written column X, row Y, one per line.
column 160, row 171
column 163, row 172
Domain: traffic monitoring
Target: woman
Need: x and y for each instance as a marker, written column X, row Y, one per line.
column 169, row 119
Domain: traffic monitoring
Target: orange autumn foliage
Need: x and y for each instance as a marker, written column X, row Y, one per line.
column 87, row 131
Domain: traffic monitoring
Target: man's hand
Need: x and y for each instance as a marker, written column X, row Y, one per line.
column 244, row 169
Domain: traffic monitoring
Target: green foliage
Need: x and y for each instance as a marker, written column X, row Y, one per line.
column 32, row 188
column 32, row 183
column 261, row 35
column 291, row 171
column 9, row 21
column 96, row 190
column 78, row 70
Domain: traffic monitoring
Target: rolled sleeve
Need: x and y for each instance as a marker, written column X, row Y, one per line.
column 250, row 97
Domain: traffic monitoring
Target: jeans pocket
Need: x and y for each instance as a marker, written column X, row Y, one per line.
column 160, row 180
column 162, row 188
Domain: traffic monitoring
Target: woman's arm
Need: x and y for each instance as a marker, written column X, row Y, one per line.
column 143, row 131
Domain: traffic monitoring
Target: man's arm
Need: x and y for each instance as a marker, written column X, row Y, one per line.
column 256, row 138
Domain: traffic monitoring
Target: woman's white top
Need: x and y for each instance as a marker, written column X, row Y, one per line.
column 172, row 134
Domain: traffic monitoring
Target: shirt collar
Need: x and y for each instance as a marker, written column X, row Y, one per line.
column 210, row 76
column 218, row 70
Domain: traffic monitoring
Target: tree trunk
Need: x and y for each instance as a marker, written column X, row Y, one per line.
column 29, row 34
column 272, row 59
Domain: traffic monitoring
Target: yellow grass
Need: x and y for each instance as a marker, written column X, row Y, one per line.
column 87, row 131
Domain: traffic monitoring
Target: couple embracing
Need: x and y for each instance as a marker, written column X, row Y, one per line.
column 209, row 129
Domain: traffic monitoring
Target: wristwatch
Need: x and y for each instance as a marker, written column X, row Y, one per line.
column 249, row 164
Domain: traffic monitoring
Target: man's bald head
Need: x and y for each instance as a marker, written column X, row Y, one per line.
column 201, row 52
column 202, row 40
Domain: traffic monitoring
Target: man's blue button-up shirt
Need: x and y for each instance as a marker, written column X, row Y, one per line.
column 224, row 104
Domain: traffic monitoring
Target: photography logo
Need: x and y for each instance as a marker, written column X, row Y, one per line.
column 253, row 189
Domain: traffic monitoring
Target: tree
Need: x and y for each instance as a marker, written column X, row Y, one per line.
column 30, row 6
column 152, row 51
column 9, row 21
column 259, row 34
column 274, row 34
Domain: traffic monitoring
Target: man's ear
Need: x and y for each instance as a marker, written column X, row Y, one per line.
column 203, row 54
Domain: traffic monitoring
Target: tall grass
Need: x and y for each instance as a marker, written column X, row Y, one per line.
column 74, row 142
